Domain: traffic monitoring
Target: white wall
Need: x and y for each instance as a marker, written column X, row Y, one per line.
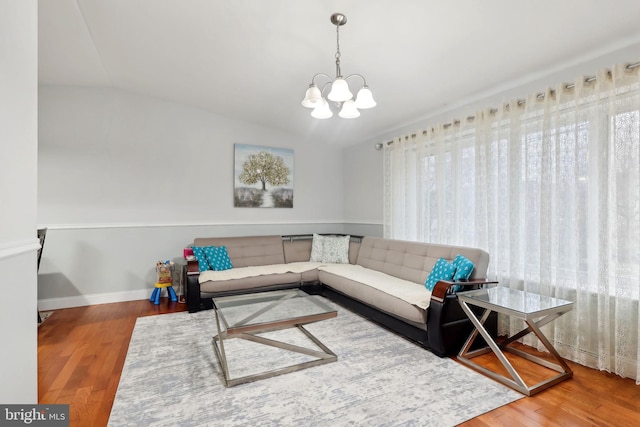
column 126, row 180
column 18, row 172
column 363, row 189
column 112, row 157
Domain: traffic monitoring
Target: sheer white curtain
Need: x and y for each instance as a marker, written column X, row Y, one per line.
column 550, row 187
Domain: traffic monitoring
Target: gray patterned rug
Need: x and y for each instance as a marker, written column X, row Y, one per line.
column 44, row 315
column 171, row 377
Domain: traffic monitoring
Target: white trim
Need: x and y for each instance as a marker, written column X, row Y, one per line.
column 83, row 300
column 9, row 249
column 369, row 222
column 221, row 223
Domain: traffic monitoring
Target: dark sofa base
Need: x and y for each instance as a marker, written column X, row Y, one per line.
column 396, row 325
column 448, row 327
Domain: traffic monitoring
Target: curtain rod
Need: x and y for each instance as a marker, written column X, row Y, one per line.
column 522, row 101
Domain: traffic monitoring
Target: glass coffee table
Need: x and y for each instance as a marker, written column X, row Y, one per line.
column 535, row 310
column 247, row 316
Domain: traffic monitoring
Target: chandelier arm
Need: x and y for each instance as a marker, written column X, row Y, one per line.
column 313, row 79
column 329, row 83
column 364, row 81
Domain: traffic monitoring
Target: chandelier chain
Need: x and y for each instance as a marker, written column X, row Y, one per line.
column 338, row 71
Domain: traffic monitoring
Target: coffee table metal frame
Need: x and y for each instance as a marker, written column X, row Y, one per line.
column 252, row 324
column 535, row 310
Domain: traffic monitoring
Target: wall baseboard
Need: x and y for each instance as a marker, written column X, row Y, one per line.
column 83, row 300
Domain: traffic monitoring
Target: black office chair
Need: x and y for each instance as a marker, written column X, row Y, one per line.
column 42, row 233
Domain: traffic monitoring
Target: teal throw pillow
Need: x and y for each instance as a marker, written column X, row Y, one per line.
column 218, row 258
column 464, row 268
column 203, row 263
column 442, row 270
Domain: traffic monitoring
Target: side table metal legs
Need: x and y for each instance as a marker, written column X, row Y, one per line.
column 515, row 381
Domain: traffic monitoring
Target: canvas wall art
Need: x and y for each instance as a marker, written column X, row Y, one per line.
column 263, row 177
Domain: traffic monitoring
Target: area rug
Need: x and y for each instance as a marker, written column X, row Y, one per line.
column 171, row 377
column 44, row 315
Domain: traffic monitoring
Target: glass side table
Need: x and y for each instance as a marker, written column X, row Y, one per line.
column 535, row 310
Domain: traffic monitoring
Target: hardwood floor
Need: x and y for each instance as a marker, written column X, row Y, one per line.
column 590, row 398
column 81, row 352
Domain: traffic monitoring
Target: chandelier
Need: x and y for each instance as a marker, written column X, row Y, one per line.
column 339, row 93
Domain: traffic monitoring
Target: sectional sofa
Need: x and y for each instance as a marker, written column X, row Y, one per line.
column 381, row 279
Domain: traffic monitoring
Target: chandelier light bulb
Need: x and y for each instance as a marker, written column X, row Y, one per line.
column 340, row 91
column 349, row 110
column 313, row 97
column 364, row 99
column 322, row 111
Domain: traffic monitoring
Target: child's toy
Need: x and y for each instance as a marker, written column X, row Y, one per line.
column 157, row 292
column 165, row 280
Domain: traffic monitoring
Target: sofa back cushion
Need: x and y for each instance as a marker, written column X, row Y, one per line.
column 414, row 260
column 297, row 250
column 250, row 250
column 354, row 249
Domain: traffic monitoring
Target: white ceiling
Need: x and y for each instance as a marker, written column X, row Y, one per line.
column 253, row 59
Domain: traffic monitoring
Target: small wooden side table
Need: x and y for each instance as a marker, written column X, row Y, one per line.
column 535, row 310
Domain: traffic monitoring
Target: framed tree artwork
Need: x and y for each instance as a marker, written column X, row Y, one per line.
column 263, row 177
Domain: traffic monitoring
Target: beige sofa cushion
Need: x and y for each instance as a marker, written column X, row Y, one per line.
column 257, row 276
column 251, row 250
column 413, row 261
column 410, row 292
column 386, row 293
column 248, row 283
column 297, row 250
column 257, row 270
